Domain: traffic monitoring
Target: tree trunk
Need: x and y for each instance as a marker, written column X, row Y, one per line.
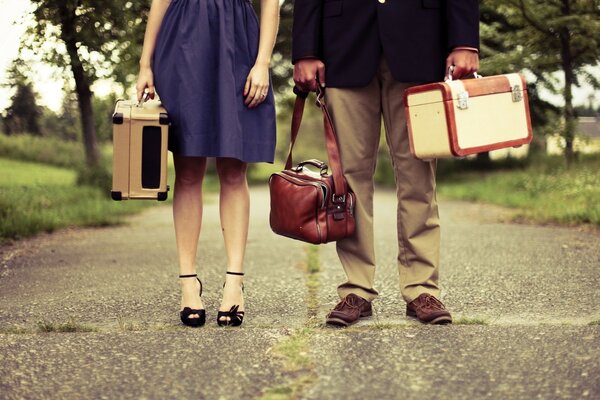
column 567, row 66
column 82, row 85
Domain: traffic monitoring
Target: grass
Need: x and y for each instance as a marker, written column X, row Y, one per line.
column 595, row 323
column 545, row 192
column 33, row 174
column 313, row 265
column 15, row 330
column 65, row 327
column 51, row 151
column 542, row 189
column 39, row 198
column 294, row 353
column 470, row 321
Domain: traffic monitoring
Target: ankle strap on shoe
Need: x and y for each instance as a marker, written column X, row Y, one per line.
column 235, row 273
column 188, row 276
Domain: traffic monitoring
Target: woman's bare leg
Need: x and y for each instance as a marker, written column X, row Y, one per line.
column 187, row 215
column 234, row 205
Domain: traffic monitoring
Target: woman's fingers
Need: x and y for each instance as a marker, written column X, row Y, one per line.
column 145, row 84
column 260, row 94
column 247, row 86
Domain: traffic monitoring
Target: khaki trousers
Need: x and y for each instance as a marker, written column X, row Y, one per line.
column 356, row 114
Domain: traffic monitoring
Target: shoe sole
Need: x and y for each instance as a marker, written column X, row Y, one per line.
column 341, row 323
column 441, row 320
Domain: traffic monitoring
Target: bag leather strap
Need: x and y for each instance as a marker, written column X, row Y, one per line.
column 339, row 181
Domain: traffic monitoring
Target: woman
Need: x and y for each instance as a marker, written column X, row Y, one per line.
column 211, row 69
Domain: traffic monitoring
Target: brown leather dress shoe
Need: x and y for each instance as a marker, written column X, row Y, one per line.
column 349, row 310
column 428, row 310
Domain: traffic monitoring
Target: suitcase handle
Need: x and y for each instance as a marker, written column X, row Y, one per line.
column 145, row 98
column 451, row 70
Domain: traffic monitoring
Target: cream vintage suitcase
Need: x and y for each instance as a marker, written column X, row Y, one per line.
column 456, row 118
column 140, row 136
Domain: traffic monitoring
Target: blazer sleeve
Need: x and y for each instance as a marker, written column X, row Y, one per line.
column 463, row 23
column 306, row 29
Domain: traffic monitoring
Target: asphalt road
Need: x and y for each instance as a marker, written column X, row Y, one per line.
column 525, row 299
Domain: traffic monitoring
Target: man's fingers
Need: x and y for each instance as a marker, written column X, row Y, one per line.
column 459, row 71
column 321, row 74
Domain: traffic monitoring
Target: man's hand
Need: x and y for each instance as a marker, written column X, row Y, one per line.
column 465, row 62
column 306, row 73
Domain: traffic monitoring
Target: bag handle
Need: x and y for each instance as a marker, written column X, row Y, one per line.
column 323, row 168
column 340, row 186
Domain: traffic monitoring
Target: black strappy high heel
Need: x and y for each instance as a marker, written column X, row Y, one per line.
column 233, row 317
column 187, row 311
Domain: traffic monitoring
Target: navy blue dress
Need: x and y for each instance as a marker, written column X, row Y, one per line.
column 204, row 52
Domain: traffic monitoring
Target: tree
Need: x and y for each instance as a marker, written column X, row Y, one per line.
column 90, row 38
column 546, row 37
column 23, row 114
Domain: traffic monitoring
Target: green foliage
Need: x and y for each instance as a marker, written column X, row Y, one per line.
column 545, row 191
column 103, row 111
column 528, row 34
column 96, row 177
column 39, row 198
column 544, row 38
column 23, row 114
column 96, row 38
column 105, row 33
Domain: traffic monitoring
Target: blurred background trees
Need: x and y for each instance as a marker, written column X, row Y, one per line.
column 92, row 39
column 544, row 38
column 555, row 43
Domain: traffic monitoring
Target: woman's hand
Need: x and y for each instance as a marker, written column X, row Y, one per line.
column 145, row 81
column 257, row 85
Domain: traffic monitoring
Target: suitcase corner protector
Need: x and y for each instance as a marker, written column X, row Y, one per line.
column 162, row 196
column 117, row 196
column 117, row 118
column 164, row 119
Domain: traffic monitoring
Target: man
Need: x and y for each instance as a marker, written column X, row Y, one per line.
column 367, row 52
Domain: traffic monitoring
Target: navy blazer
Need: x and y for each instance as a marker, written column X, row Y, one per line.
column 415, row 36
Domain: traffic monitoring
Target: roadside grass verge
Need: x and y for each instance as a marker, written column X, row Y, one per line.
column 542, row 189
column 297, row 364
column 51, row 151
column 40, row 198
column 470, row 321
column 64, row 327
column 545, row 191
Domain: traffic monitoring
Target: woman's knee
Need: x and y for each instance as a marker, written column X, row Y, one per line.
column 189, row 173
column 231, row 172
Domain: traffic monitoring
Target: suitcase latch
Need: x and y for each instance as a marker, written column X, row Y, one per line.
column 517, row 94
column 463, row 100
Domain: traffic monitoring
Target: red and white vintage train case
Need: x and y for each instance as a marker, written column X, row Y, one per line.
column 140, row 139
column 461, row 117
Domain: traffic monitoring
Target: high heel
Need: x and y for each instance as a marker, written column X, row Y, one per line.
column 233, row 317
column 187, row 311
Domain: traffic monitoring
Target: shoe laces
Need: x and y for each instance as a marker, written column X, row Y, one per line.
column 348, row 301
column 433, row 303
